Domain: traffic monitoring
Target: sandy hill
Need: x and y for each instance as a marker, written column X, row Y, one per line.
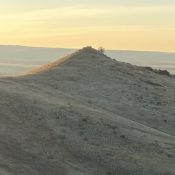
column 87, row 114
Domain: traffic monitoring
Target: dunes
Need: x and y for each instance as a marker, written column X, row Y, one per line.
column 87, row 115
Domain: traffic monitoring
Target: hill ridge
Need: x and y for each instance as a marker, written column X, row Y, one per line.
column 90, row 115
column 85, row 51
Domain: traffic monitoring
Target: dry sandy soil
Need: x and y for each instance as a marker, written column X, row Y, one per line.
column 87, row 114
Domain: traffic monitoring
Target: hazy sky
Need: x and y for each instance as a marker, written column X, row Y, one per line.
column 113, row 24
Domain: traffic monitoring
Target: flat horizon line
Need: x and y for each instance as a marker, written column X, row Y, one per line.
column 69, row 48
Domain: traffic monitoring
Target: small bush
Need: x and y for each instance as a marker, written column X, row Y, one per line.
column 101, row 50
column 123, row 136
column 165, row 120
column 149, row 68
column 84, row 120
column 163, row 72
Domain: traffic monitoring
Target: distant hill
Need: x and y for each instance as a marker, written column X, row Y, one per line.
column 87, row 114
column 19, row 59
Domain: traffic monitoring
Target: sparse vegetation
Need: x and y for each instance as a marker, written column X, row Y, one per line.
column 84, row 120
column 123, row 136
column 165, row 120
column 101, row 49
column 162, row 72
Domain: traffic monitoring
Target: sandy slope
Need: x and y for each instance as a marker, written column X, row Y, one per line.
column 87, row 115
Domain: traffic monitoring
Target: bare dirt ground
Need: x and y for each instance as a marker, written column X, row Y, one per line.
column 87, row 115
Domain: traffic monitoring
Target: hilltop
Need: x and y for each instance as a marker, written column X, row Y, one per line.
column 15, row 60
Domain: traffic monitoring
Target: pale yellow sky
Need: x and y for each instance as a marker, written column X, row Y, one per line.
column 112, row 25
